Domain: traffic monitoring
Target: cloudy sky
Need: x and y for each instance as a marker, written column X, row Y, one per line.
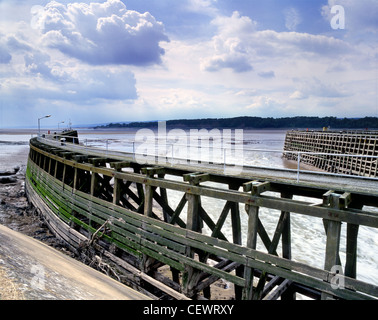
column 109, row 61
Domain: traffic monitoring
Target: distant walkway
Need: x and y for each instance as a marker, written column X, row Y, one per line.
column 311, row 178
column 31, row 270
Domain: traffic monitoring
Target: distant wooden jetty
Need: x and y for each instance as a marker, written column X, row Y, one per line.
column 344, row 152
column 123, row 211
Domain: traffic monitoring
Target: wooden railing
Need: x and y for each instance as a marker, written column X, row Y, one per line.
column 126, row 209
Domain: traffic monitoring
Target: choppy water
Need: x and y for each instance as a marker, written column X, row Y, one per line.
column 308, row 235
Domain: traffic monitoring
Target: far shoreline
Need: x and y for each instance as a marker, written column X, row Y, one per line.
column 93, row 130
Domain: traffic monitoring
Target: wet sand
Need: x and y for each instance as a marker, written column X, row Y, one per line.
column 31, row 270
column 8, row 161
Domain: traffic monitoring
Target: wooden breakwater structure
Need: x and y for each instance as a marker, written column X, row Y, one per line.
column 344, row 152
column 123, row 210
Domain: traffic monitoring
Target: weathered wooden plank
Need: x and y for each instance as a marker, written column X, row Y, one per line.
column 222, row 218
column 278, row 291
column 351, row 250
column 173, row 215
column 116, row 191
column 332, row 258
column 253, row 218
column 210, row 223
column 190, row 275
column 196, row 178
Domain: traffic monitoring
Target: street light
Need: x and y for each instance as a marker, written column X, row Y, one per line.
column 59, row 124
column 39, row 125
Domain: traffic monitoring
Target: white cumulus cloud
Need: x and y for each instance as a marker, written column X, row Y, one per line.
column 231, row 49
column 238, row 45
column 101, row 33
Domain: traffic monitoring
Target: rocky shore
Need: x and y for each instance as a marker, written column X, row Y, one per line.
column 17, row 213
column 15, row 210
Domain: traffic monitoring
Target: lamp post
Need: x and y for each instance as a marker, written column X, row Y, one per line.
column 59, row 124
column 39, row 124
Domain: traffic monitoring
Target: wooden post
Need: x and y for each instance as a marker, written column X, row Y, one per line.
column 148, row 202
column 148, row 192
column 56, row 169
column 253, row 216
column 235, row 218
column 117, row 166
column 351, row 245
column 163, row 194
column 190, row 276
column 49, row 169
column 236, row 237
column 333, row 230
column 333, row 244
column 94, row 181
column 351, row 250
column 286, row 232
column 116, row 190
column 286, row 246
column 64, row 174
column 75, row 179
column 253, row 221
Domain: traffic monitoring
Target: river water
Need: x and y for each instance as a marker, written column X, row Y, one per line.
column 308, row 235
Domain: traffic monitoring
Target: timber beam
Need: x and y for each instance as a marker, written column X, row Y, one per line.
column 196, row 178
column 256, row 187
column 97, row 162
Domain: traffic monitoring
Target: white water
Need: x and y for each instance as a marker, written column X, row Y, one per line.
column 308, row 235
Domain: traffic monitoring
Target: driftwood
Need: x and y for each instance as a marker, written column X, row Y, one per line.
column 97, row 231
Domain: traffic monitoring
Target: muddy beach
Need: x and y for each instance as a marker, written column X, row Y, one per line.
column 15, row 210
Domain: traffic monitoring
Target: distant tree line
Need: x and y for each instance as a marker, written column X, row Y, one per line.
column 259, row 123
